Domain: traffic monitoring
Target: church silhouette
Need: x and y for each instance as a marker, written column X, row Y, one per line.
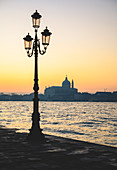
column 64, row 92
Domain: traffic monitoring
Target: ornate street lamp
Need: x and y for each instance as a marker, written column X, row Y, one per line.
column 36, row 131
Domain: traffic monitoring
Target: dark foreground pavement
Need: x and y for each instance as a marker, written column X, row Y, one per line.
column 16, row 153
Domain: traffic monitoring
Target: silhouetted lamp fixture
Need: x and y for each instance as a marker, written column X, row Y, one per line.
column 36, row 131
column 28, row 42
column 46, row 37
column 36, row 19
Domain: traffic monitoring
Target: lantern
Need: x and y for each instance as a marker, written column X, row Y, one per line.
column 46, row 37
column 36, row 19
column 28, row 42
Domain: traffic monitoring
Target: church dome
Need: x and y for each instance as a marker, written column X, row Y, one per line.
column 66, row 83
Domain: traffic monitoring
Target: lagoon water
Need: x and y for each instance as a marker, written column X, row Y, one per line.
column 88, row 121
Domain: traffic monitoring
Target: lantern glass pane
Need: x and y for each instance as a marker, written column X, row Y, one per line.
column 47, row 39
column 27, row 44
column 43, row 39
column 33, row 22
column 36, row 22
column 30, row 44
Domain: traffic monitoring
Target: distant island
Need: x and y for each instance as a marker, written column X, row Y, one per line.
column 66, row 92
column 81, row 97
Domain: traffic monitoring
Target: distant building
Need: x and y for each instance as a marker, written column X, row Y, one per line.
column 84, row 96
column 65, row 92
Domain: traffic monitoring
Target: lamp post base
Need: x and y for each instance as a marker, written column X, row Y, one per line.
column 36, row 135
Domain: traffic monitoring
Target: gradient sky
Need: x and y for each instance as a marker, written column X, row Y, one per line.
column 83, row 45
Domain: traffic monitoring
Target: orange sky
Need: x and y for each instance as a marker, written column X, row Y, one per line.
column 83, row 45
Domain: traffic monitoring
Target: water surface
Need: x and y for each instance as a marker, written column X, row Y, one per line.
column 87, row 121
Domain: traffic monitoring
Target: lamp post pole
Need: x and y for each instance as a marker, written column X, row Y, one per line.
column 36, row 131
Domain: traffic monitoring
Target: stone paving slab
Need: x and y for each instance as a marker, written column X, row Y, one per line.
column 17, row 153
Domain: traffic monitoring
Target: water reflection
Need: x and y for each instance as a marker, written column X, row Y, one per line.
column 93, row 122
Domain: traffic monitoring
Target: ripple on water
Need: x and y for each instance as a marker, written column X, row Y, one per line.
column 93, row 122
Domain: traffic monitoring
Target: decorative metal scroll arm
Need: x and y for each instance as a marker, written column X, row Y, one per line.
column 42, row 52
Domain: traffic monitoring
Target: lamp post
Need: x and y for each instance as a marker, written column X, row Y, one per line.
column 36, row 131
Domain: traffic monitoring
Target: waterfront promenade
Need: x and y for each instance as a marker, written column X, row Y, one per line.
column 16, row 153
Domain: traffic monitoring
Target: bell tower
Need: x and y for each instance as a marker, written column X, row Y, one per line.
column 72, row 84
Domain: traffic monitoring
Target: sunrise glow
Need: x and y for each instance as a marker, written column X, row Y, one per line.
column 83, row 44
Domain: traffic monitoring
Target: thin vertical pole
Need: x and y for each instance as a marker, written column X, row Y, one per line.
column 35, row 130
